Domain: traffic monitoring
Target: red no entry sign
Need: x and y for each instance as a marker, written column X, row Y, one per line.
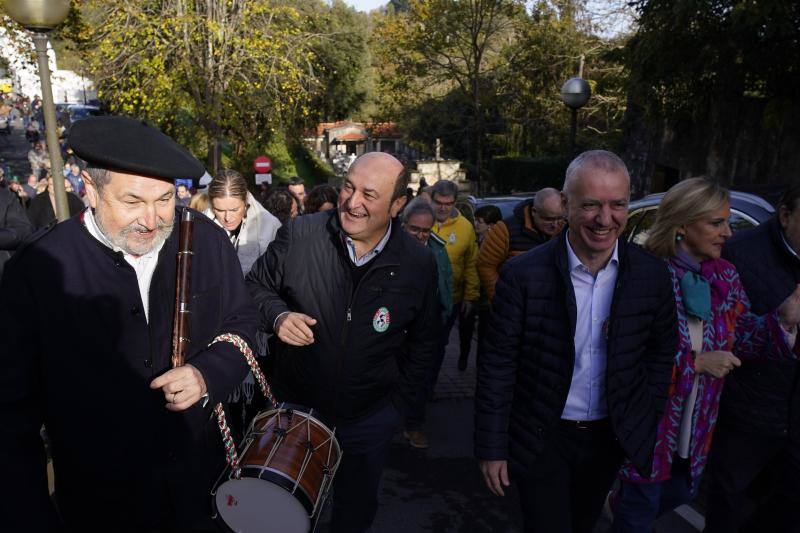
column 262, row 165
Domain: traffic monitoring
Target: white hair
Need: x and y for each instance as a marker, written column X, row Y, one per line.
column 598, row 159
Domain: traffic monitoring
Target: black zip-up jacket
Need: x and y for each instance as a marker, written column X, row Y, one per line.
column 521, row 238
column 14, row 225
column 354, row 366
column 526, row 370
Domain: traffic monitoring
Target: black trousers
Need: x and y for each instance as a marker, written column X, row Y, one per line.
column 355, row 489
column 566, row 488
column 466, row 329
column 737, row 459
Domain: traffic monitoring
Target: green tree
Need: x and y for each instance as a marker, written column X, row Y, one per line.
column 508, row 102
column 232, row 69
column 689, row 53
column 341, row 59
column 555, row 41
column 437, row 46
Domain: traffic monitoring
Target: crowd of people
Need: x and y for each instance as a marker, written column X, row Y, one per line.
column 600, row 364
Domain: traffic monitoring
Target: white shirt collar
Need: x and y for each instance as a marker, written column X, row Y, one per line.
column 363, row 260
column 574, row 262
column 143, row 265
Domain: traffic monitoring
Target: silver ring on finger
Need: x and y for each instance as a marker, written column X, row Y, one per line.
column 174, row 395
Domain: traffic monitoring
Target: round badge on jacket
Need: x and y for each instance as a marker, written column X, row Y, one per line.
column 452, row 238
column 381, row 320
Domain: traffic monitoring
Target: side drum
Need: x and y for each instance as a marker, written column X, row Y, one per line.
column 287, row 465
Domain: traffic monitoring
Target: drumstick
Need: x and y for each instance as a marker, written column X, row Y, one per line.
column 183, row 278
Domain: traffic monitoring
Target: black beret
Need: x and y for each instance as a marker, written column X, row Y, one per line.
column 126, row 145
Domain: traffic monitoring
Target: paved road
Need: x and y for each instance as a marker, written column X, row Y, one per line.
column 440, row 489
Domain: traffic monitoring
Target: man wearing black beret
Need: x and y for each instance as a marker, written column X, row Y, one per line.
column 133, row 442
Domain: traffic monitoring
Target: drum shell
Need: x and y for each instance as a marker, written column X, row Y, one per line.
column 287, row 434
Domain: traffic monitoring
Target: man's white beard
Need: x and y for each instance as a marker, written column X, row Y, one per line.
column 119, row 240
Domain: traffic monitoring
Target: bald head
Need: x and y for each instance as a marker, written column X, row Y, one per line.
column 546, row 196
column 385, row 167
column 548, row 212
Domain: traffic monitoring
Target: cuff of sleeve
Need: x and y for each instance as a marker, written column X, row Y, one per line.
column 275, row 322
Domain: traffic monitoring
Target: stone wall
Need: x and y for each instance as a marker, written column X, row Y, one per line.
column 439, row 169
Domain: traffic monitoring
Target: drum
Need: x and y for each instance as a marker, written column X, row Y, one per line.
column 287, row 464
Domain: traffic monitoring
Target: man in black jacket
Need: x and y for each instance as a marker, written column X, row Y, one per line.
column 758, row 429
column 133, row 442
column 353, row 300
column 14, row 225
column 579, row 351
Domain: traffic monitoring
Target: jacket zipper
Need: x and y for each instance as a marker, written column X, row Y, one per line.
column 608, row 335
column 346, row 328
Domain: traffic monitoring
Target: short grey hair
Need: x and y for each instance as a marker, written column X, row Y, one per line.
column 100, row 177
column 444, row 188
column 417, row 205
column 598, row 159
column 543, row 195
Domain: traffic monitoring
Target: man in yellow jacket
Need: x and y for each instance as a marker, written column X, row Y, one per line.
column 462, row 249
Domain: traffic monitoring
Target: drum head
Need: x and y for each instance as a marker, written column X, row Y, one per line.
column 253, row 505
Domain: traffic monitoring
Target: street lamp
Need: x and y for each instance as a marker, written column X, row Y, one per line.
column 41, row 16
column 575, row 93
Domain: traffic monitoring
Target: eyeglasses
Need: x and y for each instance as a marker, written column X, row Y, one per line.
column 415, row 230
column 444, row 204
column 550, row 220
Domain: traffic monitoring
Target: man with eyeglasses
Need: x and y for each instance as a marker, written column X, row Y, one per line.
column 533, row 222
column 418, row 219
column 461, row 244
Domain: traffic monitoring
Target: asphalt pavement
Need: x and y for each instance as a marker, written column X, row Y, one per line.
column 441, row 490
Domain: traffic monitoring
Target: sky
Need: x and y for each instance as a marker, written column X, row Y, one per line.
column 366, row 5
column 613, row 23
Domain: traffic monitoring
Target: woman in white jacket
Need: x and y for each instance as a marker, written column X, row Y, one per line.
column 250, row 227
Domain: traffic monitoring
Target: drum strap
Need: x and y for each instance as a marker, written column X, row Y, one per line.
column 231, row 455
column 240, row 343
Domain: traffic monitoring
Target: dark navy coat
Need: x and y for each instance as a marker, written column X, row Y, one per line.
column 526, row 370
column 761, row 396
column 122, row 461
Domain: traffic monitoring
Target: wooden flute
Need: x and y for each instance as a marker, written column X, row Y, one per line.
column 183, row 280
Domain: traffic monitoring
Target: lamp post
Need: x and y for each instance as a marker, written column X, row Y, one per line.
column 41, row 16
column 575, row 93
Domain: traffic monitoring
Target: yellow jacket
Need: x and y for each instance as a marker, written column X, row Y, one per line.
column 462, row 249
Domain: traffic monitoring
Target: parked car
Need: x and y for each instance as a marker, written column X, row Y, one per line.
column 747, row 211
column 79, row 112
column 506, row 204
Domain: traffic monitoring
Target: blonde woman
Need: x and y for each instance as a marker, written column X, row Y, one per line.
column 717, row 333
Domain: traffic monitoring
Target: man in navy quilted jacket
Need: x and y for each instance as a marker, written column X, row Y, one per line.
column 578, row 358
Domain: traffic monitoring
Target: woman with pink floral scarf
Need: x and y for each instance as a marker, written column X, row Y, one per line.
column 717, row 334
